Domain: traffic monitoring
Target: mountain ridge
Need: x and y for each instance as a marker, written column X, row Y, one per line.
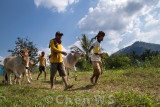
column 139, row 47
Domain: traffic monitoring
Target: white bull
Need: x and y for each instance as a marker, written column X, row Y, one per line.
column 17, row 65
column 70, row 61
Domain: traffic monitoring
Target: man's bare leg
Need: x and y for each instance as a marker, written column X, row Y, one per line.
column 96, row 79
column 44, row 74
column 91, row 79
column 65, row 81
column 39, row 74
column 52, row 81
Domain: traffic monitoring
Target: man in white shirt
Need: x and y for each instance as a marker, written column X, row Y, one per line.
column 96, row 57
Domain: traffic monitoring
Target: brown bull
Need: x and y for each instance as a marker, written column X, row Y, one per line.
column 27, row 73
column 17, row 65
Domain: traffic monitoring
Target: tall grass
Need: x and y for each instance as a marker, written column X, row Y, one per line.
column 133, row 87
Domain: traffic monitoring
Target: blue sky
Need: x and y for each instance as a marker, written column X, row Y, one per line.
column 123, row 21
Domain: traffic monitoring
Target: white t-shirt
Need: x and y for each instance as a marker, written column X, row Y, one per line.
column 96, row 49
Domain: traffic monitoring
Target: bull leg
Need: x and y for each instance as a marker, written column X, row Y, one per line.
column 9, row 78
column 67, row 74
column 75, row 70
column 30, row 76
column 15, row 80
column 27, row 77
column 16, row 74
column 14, row 77
column 19, row 80
column 23, row 76
column 29, row 73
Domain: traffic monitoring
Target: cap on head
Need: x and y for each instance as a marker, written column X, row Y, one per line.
column 100, row 33
column 58, row 33
column 42, row 52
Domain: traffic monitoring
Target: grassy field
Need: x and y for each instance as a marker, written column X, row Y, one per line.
column 115, row 88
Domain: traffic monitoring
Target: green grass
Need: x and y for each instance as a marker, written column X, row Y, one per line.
column 116, row 88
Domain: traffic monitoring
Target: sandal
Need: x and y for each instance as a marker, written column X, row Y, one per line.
column 69, row 86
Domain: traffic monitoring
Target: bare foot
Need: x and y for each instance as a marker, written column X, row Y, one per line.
column 53, row 87
column 91, row 79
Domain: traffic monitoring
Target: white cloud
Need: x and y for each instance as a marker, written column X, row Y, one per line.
column 71, row 10
column 115, row 49
column 151, row 21
column 124, row 21
column 55, row 5
column 1, row 60
column 90, row 10
column 77, row 44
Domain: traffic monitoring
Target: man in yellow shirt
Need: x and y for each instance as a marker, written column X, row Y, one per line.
column 56, row 59
column 42, row 64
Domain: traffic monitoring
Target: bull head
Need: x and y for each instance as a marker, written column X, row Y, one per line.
column 25, row 57
column 77, row 53
column 72, row 51
column 25, row 52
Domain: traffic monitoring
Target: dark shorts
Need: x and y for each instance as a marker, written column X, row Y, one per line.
column 42, row 68
column 59, row 67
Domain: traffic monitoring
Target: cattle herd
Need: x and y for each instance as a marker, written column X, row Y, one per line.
column 21, row 65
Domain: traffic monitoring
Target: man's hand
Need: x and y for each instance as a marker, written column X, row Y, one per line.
column 33, row 65
column 64, row 53
column 101, row 54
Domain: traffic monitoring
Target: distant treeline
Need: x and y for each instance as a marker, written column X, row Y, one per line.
column 122, row 61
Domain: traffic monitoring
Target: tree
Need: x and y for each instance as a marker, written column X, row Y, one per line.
column 118, row 61
column 104, row 58
column 146, row 54
column 133, row 56
column 24, row 43
column 85, row 45
column 83, row 65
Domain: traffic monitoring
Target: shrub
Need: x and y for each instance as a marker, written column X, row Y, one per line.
column 117, row 61
column 84, row 65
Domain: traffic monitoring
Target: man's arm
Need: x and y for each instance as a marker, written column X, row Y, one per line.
column 91, row 48
column 98, row 54
column 36, row 62
column 55, row 49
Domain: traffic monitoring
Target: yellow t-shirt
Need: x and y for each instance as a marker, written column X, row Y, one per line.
column 42, row 60
column 56, row 55
column 97, row 49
